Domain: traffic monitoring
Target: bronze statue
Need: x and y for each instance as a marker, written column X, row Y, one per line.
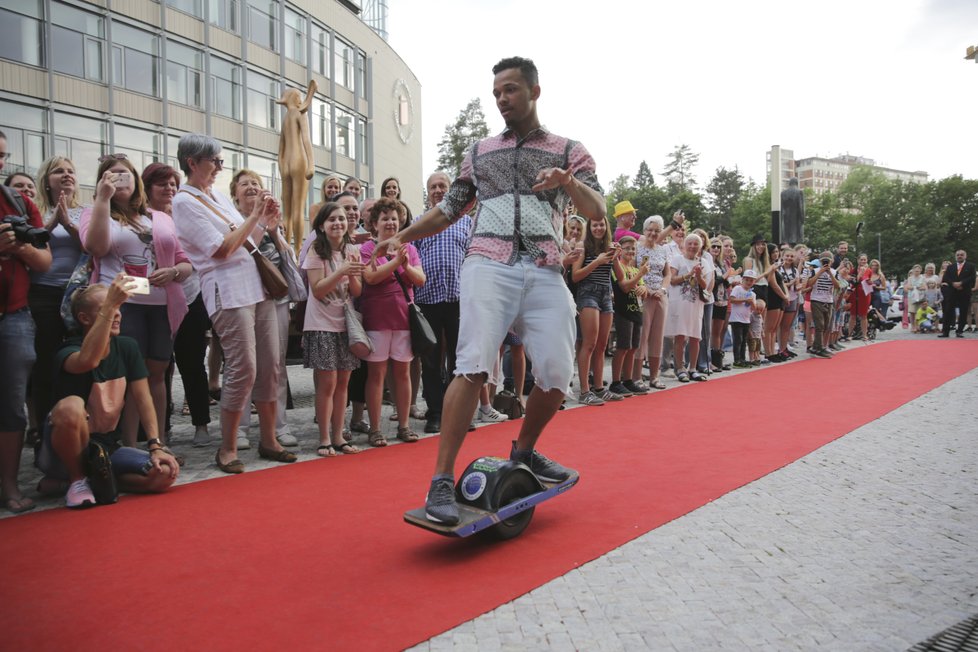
column 792, row 213
column 295, row 161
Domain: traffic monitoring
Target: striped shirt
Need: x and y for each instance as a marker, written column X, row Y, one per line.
column 499, row 172
column 600, row 276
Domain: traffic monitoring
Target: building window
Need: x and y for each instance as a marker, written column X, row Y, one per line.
column 322, row 123
column 267, row 169
column 84, row 148
column 320, row 50
column 262, row 93
column 141, row 145
column 224, row 14
column 343, row 64
column 295, row 36
column 77, row 39
column 344, row 134
column 263, row 23
column 192, row 7
column 184, row 75
column 362, row 74
column 362, row 140
column 225, row 88
column 135, row 59
column 21, row 34
column 25, row 129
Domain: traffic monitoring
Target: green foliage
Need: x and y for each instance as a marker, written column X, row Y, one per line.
column 469, row 127
column 679, row 167
column 751, row 214
column 644, row 179
column 723, row 191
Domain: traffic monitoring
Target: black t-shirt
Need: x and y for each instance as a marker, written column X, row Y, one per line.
column 102, row 388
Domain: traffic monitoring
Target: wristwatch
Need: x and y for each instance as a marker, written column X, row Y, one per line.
column 151, row 442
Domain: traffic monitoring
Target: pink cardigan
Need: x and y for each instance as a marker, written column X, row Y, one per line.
column 168, row 253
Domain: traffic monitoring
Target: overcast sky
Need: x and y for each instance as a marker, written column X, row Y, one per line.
column 631, row 79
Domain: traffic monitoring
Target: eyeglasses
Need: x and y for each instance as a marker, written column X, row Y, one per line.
column 5, row 156
column 715, row 246
column 219, row 162
column 112, row 157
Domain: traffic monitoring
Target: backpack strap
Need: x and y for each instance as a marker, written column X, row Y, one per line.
column 16, row 199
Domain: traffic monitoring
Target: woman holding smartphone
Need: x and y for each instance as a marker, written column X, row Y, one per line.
column 124, row 235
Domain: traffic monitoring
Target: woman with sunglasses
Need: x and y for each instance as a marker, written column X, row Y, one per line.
column 214, row 235
column 123, row 234
column 58, row 203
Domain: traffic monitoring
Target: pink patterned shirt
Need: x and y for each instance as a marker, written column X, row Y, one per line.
column 499, row 173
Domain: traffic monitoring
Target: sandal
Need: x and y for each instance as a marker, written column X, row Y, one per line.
column 696, row 375
column 376, row 439
column 405, row 434
column 325, row 450
column 682, row 377
column 346, row 448
column 657, row 384
column 276, row 456
column 185, row 410
column 18, row 505
column 360, row 426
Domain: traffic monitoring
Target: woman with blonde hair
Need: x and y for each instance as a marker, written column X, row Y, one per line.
column 655, row 304
column 57, row 200
column 330, row 187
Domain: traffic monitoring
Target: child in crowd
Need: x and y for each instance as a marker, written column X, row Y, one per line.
column 932, row 295
column 333, row 268
column 756, row 331
column 592, row 274
column 741, row 302
column 925, row 317
column 629, row 291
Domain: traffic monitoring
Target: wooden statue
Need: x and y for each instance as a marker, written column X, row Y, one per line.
column 295, row 161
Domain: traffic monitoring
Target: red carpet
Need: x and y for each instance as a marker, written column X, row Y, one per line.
column 315, row 556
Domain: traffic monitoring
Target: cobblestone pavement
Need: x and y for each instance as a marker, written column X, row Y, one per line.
column 868, row 543
column 865, row 544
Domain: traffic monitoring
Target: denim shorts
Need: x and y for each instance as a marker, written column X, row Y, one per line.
column 595, row 296
column 125, row 459
column 16, row 360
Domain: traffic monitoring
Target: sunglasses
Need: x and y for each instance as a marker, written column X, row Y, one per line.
column 112, row 157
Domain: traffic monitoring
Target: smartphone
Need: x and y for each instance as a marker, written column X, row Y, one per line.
column 141, row 285
column 122, row 179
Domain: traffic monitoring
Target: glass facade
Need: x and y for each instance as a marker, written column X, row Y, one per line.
column 109, row 49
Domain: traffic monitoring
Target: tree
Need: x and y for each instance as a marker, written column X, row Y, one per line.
column 751, row 214
column 469, row 127
column 679, row 167
column 644, row 179
column 722, row 193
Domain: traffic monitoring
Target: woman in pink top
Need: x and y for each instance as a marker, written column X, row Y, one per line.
column 124, row 235
column 385, row 318
column 334, row 270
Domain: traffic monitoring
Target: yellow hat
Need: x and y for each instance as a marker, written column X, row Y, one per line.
column 623, row 207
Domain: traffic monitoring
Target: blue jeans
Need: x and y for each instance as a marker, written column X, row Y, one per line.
column 16, row 360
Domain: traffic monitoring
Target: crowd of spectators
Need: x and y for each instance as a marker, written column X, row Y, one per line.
column 158, row 268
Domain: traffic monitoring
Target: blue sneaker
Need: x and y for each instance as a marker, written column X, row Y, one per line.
column 543, row 467
column 440, row 505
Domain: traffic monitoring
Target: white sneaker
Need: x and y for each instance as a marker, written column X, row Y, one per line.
column 243, row 443
column 287, row 439
column 202, row 438
column 492, row 416
column 80, row 495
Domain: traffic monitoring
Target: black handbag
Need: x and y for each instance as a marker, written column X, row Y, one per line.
column 98, row 469
column 423, row 337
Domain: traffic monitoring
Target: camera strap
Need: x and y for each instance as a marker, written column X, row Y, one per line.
column 16, row 199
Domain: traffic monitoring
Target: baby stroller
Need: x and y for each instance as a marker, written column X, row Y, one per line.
column 876, row 322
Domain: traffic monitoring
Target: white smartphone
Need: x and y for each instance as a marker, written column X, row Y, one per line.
column 141, row 284
column 121, row 179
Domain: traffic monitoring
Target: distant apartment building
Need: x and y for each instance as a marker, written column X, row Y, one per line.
column 822, row 174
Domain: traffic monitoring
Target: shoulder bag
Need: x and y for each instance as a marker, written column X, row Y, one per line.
column 423, row 337
column 271, row 278
column 293, row 278
column 98, row 469
column 360, row 344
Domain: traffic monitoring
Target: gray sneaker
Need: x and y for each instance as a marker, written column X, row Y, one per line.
column 589, row 398
column 608, row 395
column 544, row 468
column 440, row 505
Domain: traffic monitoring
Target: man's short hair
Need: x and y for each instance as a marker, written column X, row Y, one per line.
column 526, row 67
column 83, row 299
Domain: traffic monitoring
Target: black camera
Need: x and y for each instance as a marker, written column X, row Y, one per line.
column 37, row 238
